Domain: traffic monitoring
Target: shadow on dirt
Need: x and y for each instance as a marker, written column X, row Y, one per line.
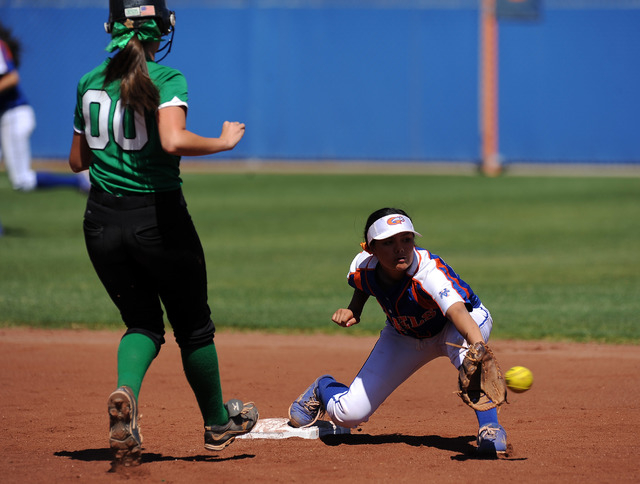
column 94, row 455
column 455, row 444
column 462, row 445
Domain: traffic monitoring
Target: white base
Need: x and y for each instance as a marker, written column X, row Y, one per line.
column 279, row 428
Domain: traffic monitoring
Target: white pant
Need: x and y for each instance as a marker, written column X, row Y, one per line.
column 16, row 126
column 394, row 358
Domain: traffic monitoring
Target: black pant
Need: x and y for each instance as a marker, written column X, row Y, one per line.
column 145, row 250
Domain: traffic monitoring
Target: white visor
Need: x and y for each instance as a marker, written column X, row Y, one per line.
column 389, row 225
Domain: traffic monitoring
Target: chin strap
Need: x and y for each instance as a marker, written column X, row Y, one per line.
column 167, row 46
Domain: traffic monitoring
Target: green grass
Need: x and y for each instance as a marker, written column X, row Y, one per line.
column 552, row 258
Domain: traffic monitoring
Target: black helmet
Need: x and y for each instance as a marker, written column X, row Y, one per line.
column 138, row 10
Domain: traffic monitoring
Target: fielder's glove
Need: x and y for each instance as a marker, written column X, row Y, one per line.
column 481, row 382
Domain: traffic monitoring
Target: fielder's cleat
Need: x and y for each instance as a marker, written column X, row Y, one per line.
column 242, row 418
column 125, row 439
column 492, row 440
column 307, row 408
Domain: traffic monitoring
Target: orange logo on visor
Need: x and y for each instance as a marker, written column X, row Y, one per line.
column 395, row 220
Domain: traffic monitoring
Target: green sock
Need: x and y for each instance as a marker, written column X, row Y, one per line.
column 201, row 369
column 135, row 353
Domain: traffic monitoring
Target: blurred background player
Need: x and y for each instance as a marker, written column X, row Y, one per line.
column 130, row 131
column 17, row 122
column 428, row 308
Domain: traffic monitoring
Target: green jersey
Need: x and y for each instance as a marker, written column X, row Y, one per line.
column 127, row 155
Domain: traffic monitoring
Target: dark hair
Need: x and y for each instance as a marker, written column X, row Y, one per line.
column 129, row 66
column 12, row 42
column 379, row 214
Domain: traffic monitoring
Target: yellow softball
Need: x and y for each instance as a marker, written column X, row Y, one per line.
column 519, row 379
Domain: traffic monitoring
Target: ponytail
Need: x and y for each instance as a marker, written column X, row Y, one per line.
column 129, row 66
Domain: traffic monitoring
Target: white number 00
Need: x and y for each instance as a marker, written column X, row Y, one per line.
column 99, row 142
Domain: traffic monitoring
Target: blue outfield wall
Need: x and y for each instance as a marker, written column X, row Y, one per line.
column 356, row 79
column 570, row 86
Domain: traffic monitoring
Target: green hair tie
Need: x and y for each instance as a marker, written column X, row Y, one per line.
column 147, row 31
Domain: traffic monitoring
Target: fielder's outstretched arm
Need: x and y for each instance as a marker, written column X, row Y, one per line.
column 464, row 323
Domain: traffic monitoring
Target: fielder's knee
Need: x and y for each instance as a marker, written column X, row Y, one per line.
column 344, row 415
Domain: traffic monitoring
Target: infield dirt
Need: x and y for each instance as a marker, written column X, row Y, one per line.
column 578, row 423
